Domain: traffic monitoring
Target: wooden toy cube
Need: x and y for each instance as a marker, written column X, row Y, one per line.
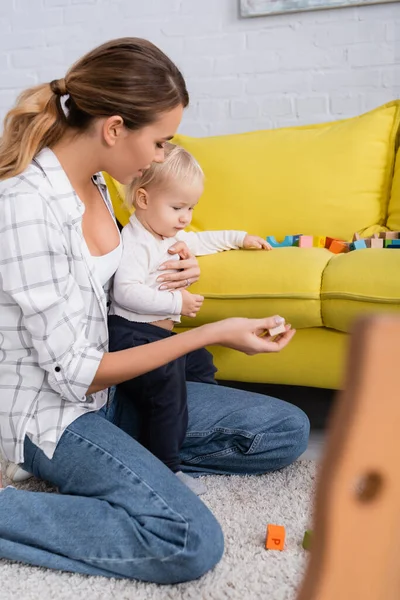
column 391, row 235
column 277, row 330
column 376, row 242
column 307, row 540
column 275, row 537
column 305, row 241
column 296, row 239
column 319, row 241
column 387, row 235
column 287, row 241
column 358, row 245
column 391, row 243
column 337, row 247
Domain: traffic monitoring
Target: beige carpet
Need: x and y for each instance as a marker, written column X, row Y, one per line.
column 244, row 506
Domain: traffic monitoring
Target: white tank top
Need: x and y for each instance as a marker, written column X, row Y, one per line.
column 107, row 264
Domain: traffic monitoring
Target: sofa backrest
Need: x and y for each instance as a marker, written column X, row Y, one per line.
column 393, row 221
column 327, row 179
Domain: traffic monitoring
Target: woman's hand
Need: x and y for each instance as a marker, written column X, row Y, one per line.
column 254, row 241
column 251, row 336
column 186, row 271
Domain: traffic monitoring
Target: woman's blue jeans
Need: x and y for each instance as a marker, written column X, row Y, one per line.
column 120, row 511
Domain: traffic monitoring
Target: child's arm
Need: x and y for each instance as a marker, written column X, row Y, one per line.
column 211, row 242
column 131, row 292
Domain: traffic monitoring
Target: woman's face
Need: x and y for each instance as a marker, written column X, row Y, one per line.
column 134, row 151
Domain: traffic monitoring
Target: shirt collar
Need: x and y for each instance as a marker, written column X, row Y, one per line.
column 136, row 224
column 56, row 176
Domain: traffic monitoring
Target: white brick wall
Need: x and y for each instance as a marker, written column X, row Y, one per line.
column 242, row 74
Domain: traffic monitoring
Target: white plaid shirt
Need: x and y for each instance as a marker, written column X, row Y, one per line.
column 53, row 310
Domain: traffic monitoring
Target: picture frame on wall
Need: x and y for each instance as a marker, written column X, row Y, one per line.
column 258, row 8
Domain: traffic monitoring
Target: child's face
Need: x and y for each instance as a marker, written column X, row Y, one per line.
column 171, row 210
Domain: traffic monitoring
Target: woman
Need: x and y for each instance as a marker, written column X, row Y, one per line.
column 120, row 512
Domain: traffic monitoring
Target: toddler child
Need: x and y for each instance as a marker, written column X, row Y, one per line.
column 164, row 197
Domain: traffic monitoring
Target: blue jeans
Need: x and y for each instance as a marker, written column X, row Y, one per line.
column 123, row 513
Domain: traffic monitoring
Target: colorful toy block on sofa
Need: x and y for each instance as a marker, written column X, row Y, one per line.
column 309, row 241
column 384, row 239
column 297, row 180
column 289, row 240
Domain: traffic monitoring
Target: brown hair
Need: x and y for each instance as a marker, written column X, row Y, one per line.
column 129, row 77
column 178, row 166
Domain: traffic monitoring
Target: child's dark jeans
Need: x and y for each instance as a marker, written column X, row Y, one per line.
column 160, row 395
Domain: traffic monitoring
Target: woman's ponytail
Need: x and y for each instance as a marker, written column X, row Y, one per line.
column 36, row 121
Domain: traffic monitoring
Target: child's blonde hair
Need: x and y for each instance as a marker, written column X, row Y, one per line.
column 178, row 165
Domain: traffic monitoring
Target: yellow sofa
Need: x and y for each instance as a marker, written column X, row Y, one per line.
column 331, row 179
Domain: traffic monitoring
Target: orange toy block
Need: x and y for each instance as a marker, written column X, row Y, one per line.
column 275, row 537
column 337, row 247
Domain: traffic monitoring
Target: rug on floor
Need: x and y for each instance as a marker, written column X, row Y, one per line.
column 244, row 506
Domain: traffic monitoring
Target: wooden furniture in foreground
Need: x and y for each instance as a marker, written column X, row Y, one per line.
column 355, row 553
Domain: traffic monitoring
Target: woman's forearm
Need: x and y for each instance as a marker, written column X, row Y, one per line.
column 116, row 367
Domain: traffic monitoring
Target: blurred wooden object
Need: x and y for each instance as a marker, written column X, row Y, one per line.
column 355, row 553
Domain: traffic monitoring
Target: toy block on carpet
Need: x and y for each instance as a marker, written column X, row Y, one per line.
column 307, row 539
column 275, row 537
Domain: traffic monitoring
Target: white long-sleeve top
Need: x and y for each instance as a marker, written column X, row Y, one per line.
column 136, row 295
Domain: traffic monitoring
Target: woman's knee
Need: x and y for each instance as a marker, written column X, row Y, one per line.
column 205, row 548
column 297, row 427
column 200, row 551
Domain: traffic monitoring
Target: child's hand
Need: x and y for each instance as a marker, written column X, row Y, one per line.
column 253, row 241
column 191, row 303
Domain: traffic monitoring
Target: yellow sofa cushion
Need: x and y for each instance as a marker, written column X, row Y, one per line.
column 393, row 222
column 326, row 179
column 363, row 281
column 247, row 283
column 314, row 357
